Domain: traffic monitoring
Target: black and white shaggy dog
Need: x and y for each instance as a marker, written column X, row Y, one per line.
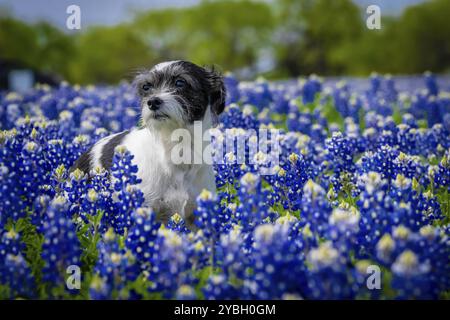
column 173, row 95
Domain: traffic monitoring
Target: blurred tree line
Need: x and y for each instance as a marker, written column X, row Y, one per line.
column 278, row 39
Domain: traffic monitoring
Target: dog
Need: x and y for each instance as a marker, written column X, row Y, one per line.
column 173, row 95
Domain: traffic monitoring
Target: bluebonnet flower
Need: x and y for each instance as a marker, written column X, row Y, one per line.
column 177, row 223
column 346, row 104
column 170, row 266
column 311, row 87
column 289, row 181
column 126, row 195
column 122, row 169
column 431, row 84
column 15, row 272
column 142, row 235
column 407, row 139
column 341, row 150
column 185, row 292
column 61, row 247
column 374, row 209
column 391, row 93
column 257, row 93
column 79, row 145
column 234, row 117
column 408, row 275
column 231, row 83
column 198, row 250
column 375, row 83
column 437, row 136
column 114, row 269
column 344, row 227
column 278, row 264
column 414, row 209
column 11, row 109
column 253, row 208
column 366, row 185
column 227, row 172
column 234, row 249
column 75, row 188
column 210, row 216
column 328, row 277
column 382, row 161
column 99, row 288
column 315, row 209
column 280, row 101
column 419, row 261
column 67, row 127
column 360, row 274
column 218, row 287
column 442, row 175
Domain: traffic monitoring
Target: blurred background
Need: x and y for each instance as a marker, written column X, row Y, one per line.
column 277, row 39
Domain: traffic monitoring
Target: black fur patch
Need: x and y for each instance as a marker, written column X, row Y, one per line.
column 83, row 162
column 108, row 149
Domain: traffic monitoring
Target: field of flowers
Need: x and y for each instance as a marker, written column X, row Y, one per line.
column 363, row 179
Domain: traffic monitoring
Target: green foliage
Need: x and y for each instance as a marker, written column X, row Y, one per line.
column 39, row 46
column 17, row 41
column 423, row 37
column 443, row 196
column 228, row 33
column 203, row 276
column 89, row 236
column 33, row 241
column 322, row 28
column 328, row 37
column 108, row 54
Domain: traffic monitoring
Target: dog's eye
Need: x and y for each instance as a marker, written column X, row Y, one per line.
column 146, row 86
column 180, row 83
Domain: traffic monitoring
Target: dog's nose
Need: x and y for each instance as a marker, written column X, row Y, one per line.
column 154, row 103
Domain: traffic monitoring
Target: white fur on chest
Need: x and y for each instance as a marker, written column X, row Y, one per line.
column 168, row 188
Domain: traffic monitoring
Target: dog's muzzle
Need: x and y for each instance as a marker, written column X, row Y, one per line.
column 154, row 103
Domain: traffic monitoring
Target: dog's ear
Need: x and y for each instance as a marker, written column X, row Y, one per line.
column 217, row 92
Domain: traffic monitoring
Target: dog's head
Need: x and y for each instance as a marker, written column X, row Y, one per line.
column 179, row 93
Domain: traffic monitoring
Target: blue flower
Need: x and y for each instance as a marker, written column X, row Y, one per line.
column 61, row 247
column 177, row 223
column 328, row 278
column 361, row 179
column 278, row 264
column 15, row 272
column 142, row 235
column 115, row 268
column 170, row 267
column 210, row 216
